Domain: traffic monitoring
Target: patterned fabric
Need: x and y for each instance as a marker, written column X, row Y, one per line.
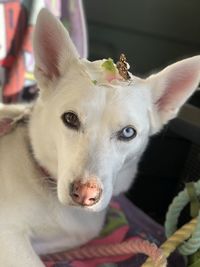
column 17, row 20
column 124, row 221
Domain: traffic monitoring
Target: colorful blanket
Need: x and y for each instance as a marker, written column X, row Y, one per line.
column 124, row 221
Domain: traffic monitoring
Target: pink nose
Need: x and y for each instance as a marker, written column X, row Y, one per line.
column 86, row 194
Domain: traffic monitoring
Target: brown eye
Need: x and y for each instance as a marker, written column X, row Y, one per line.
column 71, row 120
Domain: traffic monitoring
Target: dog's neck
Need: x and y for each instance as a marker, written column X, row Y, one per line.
column 44, row 172
column 7, row 125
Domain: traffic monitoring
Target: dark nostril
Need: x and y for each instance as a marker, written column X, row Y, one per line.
column 92, row 199
column 75, row 195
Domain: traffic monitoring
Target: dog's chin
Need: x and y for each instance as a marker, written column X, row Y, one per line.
column 98, row 207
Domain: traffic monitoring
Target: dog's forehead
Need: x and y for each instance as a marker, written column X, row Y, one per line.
column 123, row 101
column 127, row 104
column 116, row 105
column 83, row 92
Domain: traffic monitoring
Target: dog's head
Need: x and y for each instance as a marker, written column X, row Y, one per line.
column 89, row 132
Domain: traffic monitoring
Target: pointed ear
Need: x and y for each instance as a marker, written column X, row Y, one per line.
column 53, row 49
column 171, row 88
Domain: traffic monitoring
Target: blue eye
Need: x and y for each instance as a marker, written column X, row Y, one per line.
column 127, row 133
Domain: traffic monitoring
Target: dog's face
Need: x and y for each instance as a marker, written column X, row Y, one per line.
column 89, row 135
column 89, row 132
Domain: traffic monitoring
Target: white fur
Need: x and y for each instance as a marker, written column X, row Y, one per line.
column 37, row 219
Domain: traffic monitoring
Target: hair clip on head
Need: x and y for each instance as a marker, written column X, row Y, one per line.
column 123, row 67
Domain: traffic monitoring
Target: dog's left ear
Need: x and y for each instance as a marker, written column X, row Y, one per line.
column 170, row 89
column 53, row 49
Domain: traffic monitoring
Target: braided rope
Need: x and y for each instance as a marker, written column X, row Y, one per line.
column 175, row 240
column 179, row 202
column 125, row 248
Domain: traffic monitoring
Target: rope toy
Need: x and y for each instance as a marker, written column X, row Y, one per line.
column 189, row 231
column 157, row 257
column 175, row 240
column 179, row 202
column 124, row 248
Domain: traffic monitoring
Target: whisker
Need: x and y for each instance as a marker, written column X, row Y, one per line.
column 50, row 183
column 49, row 180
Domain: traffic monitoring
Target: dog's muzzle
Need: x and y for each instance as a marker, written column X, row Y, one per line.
column 85, row 194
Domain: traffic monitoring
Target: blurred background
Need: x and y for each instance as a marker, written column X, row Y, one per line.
column 153, row 34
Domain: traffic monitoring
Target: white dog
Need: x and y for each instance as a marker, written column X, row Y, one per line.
column 81, row 145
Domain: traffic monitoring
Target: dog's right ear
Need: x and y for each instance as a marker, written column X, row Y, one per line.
column 53, row 49
column 170, row 89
